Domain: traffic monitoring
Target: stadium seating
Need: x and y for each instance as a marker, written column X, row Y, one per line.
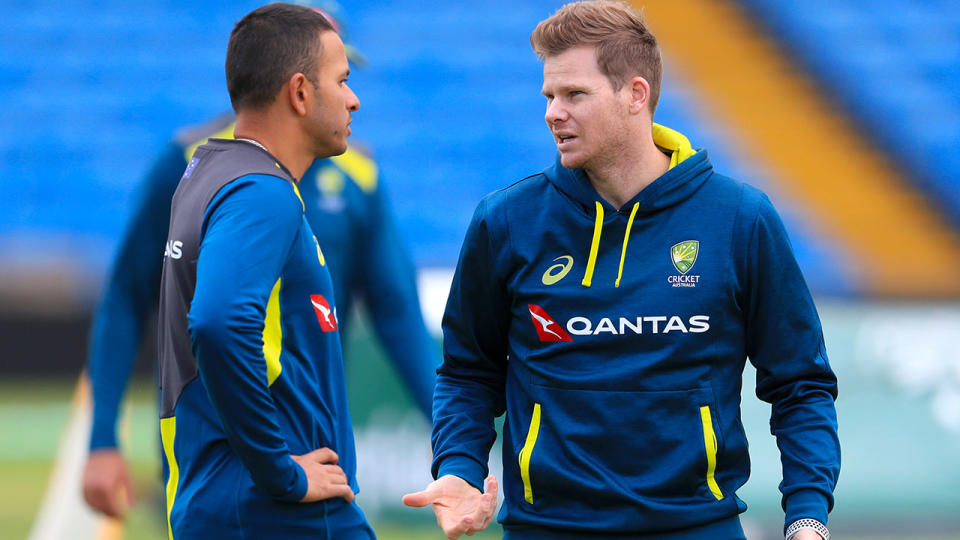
column 894, row 65
column 452, row 108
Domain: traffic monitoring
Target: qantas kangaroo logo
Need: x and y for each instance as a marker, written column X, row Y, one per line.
column 547, row 328
column 325, row 316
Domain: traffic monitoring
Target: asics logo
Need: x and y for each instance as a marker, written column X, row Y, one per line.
column 557, row 271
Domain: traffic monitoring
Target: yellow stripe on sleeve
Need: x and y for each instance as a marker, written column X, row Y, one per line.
column 320, row 257
column 273, row 335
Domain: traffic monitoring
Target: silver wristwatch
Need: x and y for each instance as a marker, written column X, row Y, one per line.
column 807, row 523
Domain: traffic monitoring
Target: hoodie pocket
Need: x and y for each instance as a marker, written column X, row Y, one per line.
column 524, row 457
column 618, row 449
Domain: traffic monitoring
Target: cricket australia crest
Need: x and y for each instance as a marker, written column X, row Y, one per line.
column 684, row 255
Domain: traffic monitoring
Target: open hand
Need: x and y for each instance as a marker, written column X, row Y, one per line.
column 325, row 479
column 460, row 507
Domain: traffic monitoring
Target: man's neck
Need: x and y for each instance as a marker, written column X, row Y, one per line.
column 621, row 181
column 279, row 140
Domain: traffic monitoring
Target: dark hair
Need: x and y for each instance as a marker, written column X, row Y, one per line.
column 267, row 47
column 624, row 44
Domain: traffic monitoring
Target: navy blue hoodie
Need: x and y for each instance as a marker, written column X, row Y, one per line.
column 615, row 340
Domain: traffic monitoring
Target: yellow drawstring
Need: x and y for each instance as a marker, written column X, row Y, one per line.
column 680, row 149
column 594, row 246
column 626, row 238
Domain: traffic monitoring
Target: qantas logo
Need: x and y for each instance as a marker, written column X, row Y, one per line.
column 582, row 326
column 326, row 316
column 547, row 328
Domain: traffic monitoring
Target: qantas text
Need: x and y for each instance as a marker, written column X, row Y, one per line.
column 582, row 326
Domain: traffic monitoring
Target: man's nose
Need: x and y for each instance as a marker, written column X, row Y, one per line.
column 555, row 112
column 353, row 102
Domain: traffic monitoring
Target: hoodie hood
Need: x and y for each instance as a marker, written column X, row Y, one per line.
column 689, row 169
column 685, row 175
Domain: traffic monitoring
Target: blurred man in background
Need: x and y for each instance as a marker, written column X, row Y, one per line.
column 608, row 306
column 348, row 210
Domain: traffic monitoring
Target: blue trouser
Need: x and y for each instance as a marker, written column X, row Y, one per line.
column 726, row 529
column 332, row 519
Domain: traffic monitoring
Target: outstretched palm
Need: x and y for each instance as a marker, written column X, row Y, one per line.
column 460, row 508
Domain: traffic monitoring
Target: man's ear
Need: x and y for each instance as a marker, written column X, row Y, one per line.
column 639, row 93
column 298, row 90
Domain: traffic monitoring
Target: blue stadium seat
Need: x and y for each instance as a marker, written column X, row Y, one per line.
column 92, row 91
column 896, row 65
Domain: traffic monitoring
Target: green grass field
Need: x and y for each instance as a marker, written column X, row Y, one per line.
column 33, row 415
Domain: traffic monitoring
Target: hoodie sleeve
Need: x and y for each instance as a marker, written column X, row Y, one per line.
column 250, row 229
column 470, row 382
column 785, row 344
column 390, row 296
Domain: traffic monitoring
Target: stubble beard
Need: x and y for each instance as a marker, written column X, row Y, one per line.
column 327, row 142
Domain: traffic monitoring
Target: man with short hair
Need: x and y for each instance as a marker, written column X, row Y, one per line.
column 347, row 206
column 608, row 305
column 253, row 416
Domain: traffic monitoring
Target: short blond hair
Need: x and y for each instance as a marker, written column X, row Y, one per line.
column 625, row 47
